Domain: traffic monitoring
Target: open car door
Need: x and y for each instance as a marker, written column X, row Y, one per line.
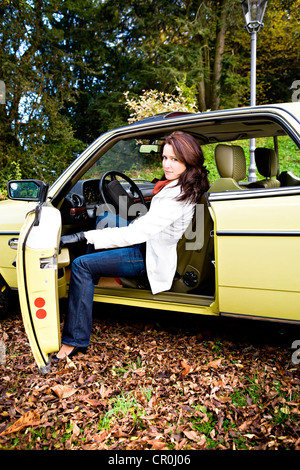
column 37, row 275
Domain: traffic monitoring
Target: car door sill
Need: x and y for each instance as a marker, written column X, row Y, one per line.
column 258, row 317
column 143, row 294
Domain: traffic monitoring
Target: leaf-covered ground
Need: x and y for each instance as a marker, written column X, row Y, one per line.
column 157, row 381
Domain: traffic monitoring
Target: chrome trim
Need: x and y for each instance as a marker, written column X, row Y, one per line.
column 258, row 233
column 253, row 194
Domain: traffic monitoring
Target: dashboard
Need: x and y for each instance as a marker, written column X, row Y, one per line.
column 90, row 191
column 82, row 202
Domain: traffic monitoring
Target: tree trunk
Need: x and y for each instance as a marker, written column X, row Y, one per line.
column 201, row 87
column 219, row 51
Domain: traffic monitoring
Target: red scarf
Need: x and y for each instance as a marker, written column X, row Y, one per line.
column 159, row 185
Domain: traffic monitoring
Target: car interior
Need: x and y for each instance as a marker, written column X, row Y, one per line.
column 127, row 170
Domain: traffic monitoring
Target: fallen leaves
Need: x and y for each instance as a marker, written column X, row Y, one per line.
column 31, row 418
column 213, row 364
column 63, row 391
column 144, row 386
column 192, row 435
column 186, row 369
column 157, row 445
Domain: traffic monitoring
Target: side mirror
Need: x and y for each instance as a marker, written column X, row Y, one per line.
column 27, row 190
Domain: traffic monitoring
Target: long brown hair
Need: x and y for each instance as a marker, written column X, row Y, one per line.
column 193, row 180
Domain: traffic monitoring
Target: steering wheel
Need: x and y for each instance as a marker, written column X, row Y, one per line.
column 112, row 192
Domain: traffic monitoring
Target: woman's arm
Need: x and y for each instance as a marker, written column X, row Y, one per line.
column 166, row 217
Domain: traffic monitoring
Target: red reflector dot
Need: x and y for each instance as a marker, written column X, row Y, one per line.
column 41, row 313
column 39, row 302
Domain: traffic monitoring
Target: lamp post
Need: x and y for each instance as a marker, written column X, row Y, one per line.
column 2, row 92
column 254, row 11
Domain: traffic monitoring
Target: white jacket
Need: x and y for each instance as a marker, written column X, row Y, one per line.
column 161, row 228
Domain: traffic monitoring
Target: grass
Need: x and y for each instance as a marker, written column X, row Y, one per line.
column 125, row 406
column 250, row 394
column 120, row 407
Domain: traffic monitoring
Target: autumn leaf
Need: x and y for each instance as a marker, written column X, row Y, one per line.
column 31, row 418
column 105, row 391
column 100, row 437
column 223, row 399
column 157, row 445
column 214, row 364
column 152, row 402
column 191, row 435
column 92, row 401
column 64, row 391
column 76, row 430
column 245, row 425
column 186, row 369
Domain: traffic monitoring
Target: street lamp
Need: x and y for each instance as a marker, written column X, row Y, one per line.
column 254, row 11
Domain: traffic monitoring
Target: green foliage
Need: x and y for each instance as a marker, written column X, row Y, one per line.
column 123, row 406
column 66, row 66
column 11, row 172
column 38, row 79
column 278, row 63
column 50, row 144
column 153, row 102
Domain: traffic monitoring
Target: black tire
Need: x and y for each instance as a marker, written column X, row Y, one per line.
column 5, row 298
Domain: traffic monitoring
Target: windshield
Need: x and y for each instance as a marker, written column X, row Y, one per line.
column 138, row 159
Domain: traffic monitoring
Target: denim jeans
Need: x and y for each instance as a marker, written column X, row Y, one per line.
column 119, row 262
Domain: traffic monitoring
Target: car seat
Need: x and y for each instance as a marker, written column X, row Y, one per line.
column 231, row 165
column 287, row 178
column 267, row 166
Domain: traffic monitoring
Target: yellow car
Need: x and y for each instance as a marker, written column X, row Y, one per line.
column 239, row 258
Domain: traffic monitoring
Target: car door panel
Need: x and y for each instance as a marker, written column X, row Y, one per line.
column 37, row 267
column 257, row 241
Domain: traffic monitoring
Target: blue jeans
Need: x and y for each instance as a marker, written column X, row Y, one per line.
column 120, row 262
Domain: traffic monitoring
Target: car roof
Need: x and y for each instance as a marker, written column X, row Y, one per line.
column 222, row 125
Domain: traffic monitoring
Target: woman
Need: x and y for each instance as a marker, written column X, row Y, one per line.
column 146, row 247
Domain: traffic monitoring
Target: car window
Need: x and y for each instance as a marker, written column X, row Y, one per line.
column 288, row 152
column 138, row 159
column 289, row 155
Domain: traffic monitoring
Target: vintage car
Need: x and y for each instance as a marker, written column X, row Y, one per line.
column 239, row 257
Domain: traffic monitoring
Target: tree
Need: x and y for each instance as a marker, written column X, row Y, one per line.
column 67, row 65
column 183, row 39
column 278, row 59
column 37, row 75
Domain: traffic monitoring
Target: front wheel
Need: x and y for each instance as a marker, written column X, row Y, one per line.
column 5, row 298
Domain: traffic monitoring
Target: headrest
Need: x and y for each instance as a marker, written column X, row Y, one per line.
column 266, row 162
column 230, row 161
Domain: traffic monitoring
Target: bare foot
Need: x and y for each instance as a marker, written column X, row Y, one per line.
column 64, row 351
